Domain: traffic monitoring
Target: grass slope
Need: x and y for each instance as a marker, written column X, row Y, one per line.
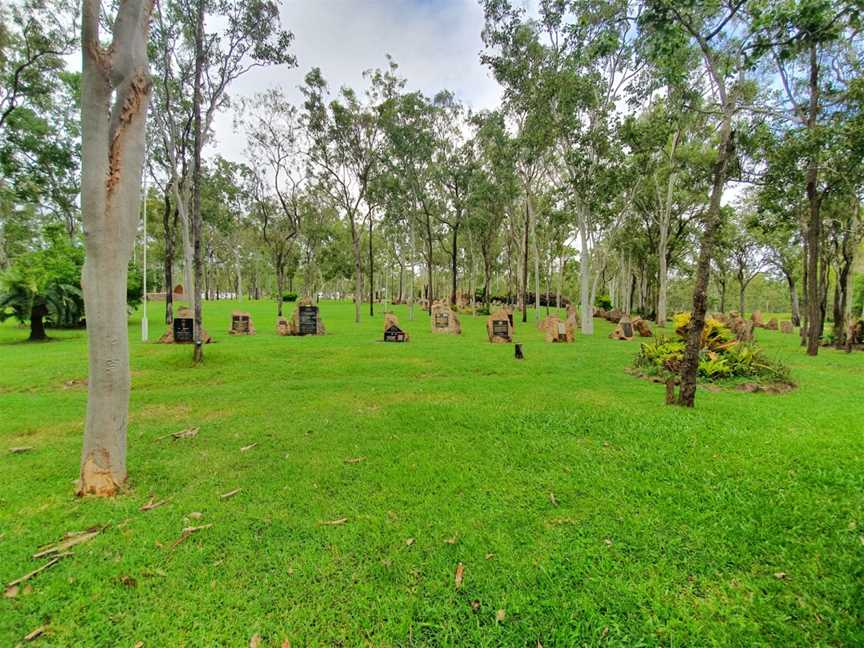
column 668, row 526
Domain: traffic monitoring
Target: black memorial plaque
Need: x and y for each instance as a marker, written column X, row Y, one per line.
column 501, row 328
column 240, row 323
column 308, row 320
column 442, row 319
column 627, row 329
column 394, row 334
column 184, row 329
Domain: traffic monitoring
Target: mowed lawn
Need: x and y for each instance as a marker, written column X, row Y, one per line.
column 584, row 511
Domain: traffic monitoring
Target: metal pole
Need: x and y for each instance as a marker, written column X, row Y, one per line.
column 144, row 323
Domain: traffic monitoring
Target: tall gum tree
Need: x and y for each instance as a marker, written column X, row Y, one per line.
column 115, row 86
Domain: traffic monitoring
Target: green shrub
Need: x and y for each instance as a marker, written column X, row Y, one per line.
column 289, row 297
column 603, row 301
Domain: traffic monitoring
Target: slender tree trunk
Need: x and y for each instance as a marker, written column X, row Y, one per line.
column 454, row 257
column 793, row 300
column 371, row 273
column 358, row 271
column 198, row 261
column 525, row 263
column 169, row 257
column 112, row 162
column 814, row 224
column 587, row 323
column 713, row 217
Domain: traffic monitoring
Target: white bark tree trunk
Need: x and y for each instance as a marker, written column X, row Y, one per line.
column 115, row 93
column 587, row 322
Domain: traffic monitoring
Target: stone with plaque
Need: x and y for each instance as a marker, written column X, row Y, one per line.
column 444, row 319
column 499, row 328
column 557, row 330
column 624, row 330
column 306, row 320
column 241, row 323
column 182, row 329
column 392, row 332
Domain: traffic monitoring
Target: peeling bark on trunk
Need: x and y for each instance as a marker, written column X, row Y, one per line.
column 112, row 161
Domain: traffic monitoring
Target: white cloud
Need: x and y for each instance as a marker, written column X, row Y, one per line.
column 436, row 43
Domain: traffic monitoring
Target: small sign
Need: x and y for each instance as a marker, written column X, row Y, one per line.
column 627, row 329
column 308, row 320
column 562, row 332
column 501, row 328
column 240, row 323
column 184, row 328
column 442, row 319
column 394, row 334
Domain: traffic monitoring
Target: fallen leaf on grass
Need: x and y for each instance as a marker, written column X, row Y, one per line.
column 490, row 556
column 500, row 615
column 188, row 433
column 247, row 448
column 39, row 570
column 68, row 541
column 188, row 531
column 255, row 641
column 539, row 645
column 230, row 494
column 475, row 605
column 38, row 632
column 335, row 522
column 780, row 575
column 355, row 460
column 460, row 574
column 409, row 541
column 195, row 515
column 608, row 542
column 138, row 644
column 152, row 504
column 286, row 644
column 452, row 541
column 20, row 450
column 128, row 581
column 552, row 499
column 11, row 592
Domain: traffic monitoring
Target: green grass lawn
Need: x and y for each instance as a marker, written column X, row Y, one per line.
column 578, row 503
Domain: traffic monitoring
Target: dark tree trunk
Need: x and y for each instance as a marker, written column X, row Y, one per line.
column 198, row 354
column 37, row 323
column 713, row 221
column 453, row 264
column 793, row 300
column 525, row 266
column 814, row 224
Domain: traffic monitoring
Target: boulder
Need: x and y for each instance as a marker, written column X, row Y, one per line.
column 444, row 319
column 742, row 329
column 614, row 315
column 624, row 330
column 641, row 327
column 771, row 325
column 392, row 331
column 499, row 328
column 241, row 323
column 757, row 320
column 294, row 326
column 183, row 331
column 787, row 327
column 557, row 330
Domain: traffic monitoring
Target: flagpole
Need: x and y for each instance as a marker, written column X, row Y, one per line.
column 144, row 323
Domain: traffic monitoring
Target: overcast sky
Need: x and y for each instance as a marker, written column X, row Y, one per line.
column 436, row 43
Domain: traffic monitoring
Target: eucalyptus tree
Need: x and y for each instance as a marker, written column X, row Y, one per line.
column 346, row 141
column 194, row 70
column 495, row 189
column 745, row 257
column 39, row 122
column 813, row 47
column 566, row 75
column 724, row 38
column 112, row 162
